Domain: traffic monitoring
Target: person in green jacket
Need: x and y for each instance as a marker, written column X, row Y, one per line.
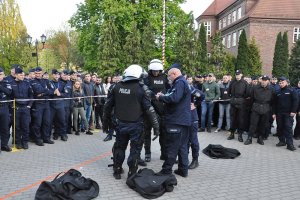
column 212, row 92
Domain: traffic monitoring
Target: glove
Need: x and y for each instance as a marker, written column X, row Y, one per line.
column 156, row 132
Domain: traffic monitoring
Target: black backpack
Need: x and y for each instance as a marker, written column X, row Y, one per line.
column 149, row 185
column 218, row 151
column 70, row 186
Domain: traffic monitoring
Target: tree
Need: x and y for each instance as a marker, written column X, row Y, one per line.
column 132, row 47
column 109, row 49
column 285, row 55
column 242, row 61
column 13, row 35
column 281, row 56
column 149, row 48
column 255, row 64
column 294, row 70
column 202, row 40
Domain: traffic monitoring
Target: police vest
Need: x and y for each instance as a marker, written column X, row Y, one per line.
column 157, row 84
column 127, row 102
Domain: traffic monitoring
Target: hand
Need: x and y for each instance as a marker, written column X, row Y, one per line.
column 156, row 132
column 274, row 116
column 58, row 93
column 193, row 107
column 39, row 95
column 298, row 113
column 158, row 95
column 292, row 114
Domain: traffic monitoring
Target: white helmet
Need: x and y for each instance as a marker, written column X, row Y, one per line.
column 134, row 71
column 156, row 65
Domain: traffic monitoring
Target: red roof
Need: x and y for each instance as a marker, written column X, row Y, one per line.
column 216, row 7
column 288, row 9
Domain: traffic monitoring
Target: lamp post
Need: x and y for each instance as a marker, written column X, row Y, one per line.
column 164, row 33
column 35, row 54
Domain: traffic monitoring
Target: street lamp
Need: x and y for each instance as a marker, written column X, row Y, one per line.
column 35, row 54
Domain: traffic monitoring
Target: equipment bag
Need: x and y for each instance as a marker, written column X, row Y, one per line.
column 218, row 151
column 70, row 186
column 149, row 185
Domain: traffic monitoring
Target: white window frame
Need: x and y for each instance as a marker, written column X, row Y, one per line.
column 296, row 34
column 233, row 16
column 234, row 39
column 224, row 40
column 228, row 41
column 229, row 19
column 220, row 24
column 224, row 22
column 207, row 26
column 239, row 13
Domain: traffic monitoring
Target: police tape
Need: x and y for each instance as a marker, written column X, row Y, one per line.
column 57, row 99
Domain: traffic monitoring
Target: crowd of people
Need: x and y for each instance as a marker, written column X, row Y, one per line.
column 44, row 108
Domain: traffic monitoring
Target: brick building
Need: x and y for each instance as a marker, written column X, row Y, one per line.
column 261, row 19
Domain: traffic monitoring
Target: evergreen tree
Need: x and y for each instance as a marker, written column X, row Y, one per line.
column 109, row 49
column 285, row 55
column 148, row 45
column 255, row 64
column 281, row 56
column 242, row 62
column 203, row 52
column 294, row 70
column 132, row 47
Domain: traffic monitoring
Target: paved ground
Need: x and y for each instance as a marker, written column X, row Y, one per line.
column 261, row 172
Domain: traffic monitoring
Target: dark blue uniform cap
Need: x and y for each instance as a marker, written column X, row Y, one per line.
column 1, row 70
column 254, row 78
column 31, row 70
column 65, row 71
column 72, row 72
column 282, row 78
column 38, row 69
column 18, row 71
column 14, row 66
column 54, row 71
column 238, row 72
column 265, row 78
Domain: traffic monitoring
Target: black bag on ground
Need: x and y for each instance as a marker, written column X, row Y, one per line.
column 70, row 186
column 218, row 151
column 149, row 185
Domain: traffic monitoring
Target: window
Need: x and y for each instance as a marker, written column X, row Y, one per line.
column 239, row 14
column 296, row 35
column 223, row 41
column 229, row 19
column 234, row 16
column 234, row 39
column 228, row 41
column 224, row 22
column 240, row 32
column 207, row 26
column 220, row 24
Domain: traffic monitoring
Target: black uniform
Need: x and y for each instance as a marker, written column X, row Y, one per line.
column 129, row 101
column 261, row 98
column 239, row 91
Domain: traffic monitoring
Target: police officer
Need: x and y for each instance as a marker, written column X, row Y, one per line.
column 130, row 102
column 156, row 82
column 261, row 96
column 41, row 109
column 177, row 122
column 57, row 109
column 5, row 92
column 239, row 90
column 21, row 89
column 285, row 108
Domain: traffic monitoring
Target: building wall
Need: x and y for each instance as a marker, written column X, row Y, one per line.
column 265, row 33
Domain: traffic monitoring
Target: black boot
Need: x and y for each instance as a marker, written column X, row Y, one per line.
column 141, row 162
column 108, row 138
column 194, row 164
column 240, row 137
column 117, row 172
column 291, row 147
column 260, row 140
column 248, row 141
column 131, row 171
column 231, row 136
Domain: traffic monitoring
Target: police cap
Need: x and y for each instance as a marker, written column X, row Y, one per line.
column 265, row 78
column 14, row 66
column 238, row 72
column 54, row 71
column 66, row 72
column 38, row 69
column 18, row 71
column 1, row 69
column 282, row 78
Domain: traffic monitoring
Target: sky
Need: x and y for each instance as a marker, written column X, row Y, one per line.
column 42, row 15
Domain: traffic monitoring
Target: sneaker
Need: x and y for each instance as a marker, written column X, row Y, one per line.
column 89, row 132
column 217, row 130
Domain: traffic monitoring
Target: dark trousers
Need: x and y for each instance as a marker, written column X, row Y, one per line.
column 99, row 114
column 285, row 127
column 193, row 140
column 22, row 125
column 177, row 138
column 41, row 121
column 297, row 128
column 68, row 119
column 258, row 123
column 57, row 118
column 126, row 132
column 4, row 125
column 238, row 118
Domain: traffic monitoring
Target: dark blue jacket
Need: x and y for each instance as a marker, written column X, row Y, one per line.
column 21, row 90
column 286, row 101
column 178, row 103
column 5, row 90
column 41, row 90
column 61, row 88
column 88, row 91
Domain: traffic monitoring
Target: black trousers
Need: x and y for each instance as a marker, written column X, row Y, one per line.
column 297, row 128
column 99, row 114
column 258, row 123
column 238, row 118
